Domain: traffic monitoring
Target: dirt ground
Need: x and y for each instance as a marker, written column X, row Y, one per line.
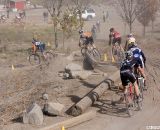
column 26, row 84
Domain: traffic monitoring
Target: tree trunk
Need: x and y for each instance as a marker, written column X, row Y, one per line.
column 63, row 40
column 93, row 95
column 152, row 27
column 130, row 27
column 144, row 30
column 55, row 36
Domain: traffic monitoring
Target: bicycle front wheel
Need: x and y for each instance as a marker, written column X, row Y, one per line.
column 49, row 56
column 34, row 59
column 96, row 54
column 83, row 51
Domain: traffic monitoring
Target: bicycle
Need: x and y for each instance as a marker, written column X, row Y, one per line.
column 90, row 49
column 131, row 100
column 118, row 51
column 37, row 57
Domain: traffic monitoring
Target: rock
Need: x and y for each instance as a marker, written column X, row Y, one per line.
column 33, row 115
column 45, row 96
column 54, row 108
column 73, row 67
column 81, row 74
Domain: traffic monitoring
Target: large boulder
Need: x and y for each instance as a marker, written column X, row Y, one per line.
column 81, row 74
column 73, row 67
column 55, row 109
column 33, row 115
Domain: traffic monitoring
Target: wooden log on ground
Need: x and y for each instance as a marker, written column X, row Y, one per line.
column 73, row 121
column 93, row 95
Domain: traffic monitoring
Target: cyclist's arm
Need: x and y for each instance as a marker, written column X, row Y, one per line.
column 141, row 72
column 110, row 39
column 126, row 46
column 143, row 56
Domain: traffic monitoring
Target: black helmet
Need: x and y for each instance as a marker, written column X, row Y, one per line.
column 80, row 31
column 111, row 29
column 129, row 54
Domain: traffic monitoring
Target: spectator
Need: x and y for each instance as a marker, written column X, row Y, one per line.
column 104, row 17
column 45, row 16
column 98, row 26
column 93, row 30
column 8, row 12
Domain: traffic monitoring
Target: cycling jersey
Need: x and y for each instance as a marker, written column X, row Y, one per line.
column 126, row 71
column 116, row 37
column 87, row 34
column 138, row 54
column 88, row 38
column 116, row 34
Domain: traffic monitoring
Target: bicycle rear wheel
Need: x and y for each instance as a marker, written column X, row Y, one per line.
column 83, row 51
column 96, row 54
column 141, row 86
column 129, row 104
column 49, row 56
column 34, row 59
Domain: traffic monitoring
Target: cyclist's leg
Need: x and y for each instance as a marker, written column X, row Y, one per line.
column 133, row 80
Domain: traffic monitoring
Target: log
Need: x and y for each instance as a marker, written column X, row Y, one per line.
column 93, row 95
column 72, row 122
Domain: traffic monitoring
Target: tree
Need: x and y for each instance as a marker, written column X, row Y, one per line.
column 148, row 9
column 153, row 8
column 128, row 11
column 54, row 8
column 80, row 5
column 69, row 23
column 143, row 17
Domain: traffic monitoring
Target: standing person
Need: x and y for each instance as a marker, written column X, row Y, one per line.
column 104, row 17
column 7, row 12
column 24, row 14
column 93, row 30
column 45, row 16
column 98, row 25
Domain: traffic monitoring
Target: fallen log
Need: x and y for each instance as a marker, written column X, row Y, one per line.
column 73, row 121
column 93, row 95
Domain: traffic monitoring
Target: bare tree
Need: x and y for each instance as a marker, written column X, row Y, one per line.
column 80, row 5
column 54, row 8
column 144, row 15
column 129, row 10
column 153, row 8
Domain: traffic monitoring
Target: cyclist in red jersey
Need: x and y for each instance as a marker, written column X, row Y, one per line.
column 114, row 37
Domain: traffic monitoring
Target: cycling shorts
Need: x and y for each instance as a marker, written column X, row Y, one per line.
column 126, row 77
column 118, row 40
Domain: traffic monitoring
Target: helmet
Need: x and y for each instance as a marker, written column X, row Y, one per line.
column 80, row 31
column 130, row 35
column 129, row 54
column 131, row 40
column 111, row 29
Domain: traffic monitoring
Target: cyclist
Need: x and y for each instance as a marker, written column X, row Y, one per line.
column 87, row 38
column 130, row 39
column 138, row 54
column 114, row 37
column 37, row 45
column 127, row 73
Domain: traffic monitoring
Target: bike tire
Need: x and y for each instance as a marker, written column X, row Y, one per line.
column 34, row 59
column 83, row 51
column 141, row 86
column 96, row 54
column 49, row 56
column 129, row 106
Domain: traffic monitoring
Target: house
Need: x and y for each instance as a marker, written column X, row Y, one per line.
column 17, row 4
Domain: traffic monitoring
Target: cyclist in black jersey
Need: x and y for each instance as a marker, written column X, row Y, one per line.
column 127, row 72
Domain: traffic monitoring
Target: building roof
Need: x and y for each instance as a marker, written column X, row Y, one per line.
column 17, row 0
